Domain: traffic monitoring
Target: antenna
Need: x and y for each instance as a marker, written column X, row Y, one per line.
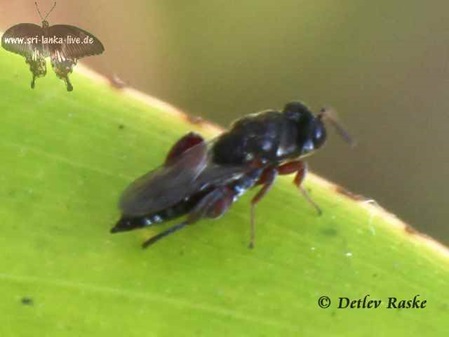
column 48, row 13
column 330, row 115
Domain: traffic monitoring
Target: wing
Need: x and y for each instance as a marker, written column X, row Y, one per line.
column 23, row 39
column 76, row 42
column 166, row 186
column 70, row 44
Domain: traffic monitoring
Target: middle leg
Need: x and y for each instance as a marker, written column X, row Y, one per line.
column 300, row 167
column 266, row 180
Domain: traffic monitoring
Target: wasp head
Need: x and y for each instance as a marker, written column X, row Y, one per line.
column 311, row 133
column 311, row 130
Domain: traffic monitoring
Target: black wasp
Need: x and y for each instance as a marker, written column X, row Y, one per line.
column 64, row 45
column 202, row 180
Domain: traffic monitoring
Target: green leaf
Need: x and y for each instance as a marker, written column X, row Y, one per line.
column 65, row 159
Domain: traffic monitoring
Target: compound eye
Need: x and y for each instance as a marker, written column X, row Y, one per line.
column 318, row 134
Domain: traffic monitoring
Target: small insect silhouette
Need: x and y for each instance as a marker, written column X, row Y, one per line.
column 200, row 179
column 64, row 44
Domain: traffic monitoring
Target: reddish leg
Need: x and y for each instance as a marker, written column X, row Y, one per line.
column 213, row 205
column 300, row 167
column 267, row 180
column 182, row 145
column 218, row 201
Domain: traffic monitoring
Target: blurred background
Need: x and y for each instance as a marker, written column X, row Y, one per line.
column 384, row 65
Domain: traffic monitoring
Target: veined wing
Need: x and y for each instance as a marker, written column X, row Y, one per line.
column 166, row 186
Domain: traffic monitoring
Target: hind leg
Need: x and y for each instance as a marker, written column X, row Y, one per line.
column 213, row 205
column 182, row 145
